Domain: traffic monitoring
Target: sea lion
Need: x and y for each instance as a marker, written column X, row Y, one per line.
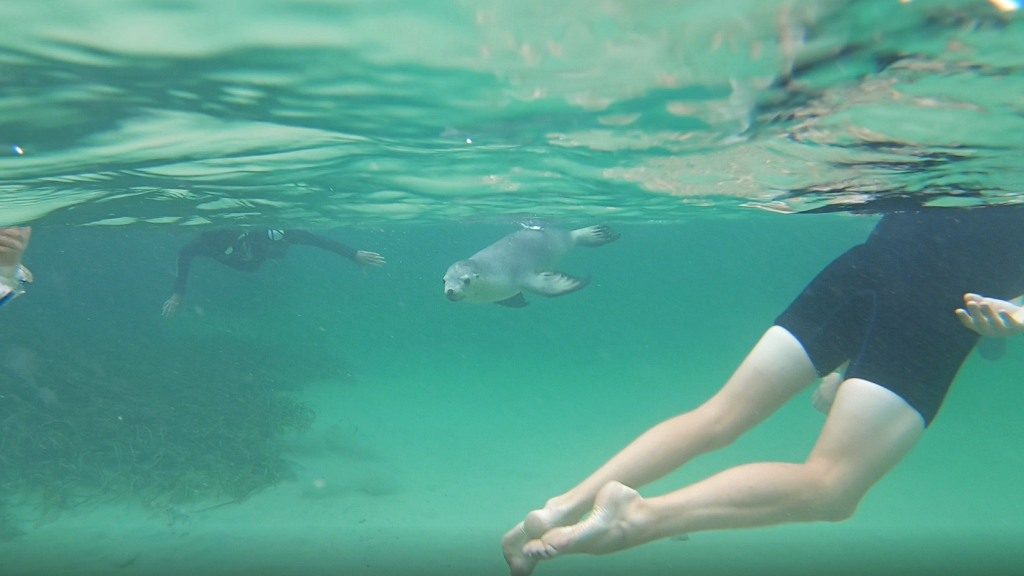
column 522, row 261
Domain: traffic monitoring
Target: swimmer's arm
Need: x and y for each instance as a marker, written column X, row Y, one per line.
column 185, row 256
column 194, row 248
column 361, row 257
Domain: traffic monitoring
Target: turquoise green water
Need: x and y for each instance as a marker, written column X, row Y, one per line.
column 313, row 418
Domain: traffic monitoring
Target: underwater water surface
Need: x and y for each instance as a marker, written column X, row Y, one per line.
column 316, row 417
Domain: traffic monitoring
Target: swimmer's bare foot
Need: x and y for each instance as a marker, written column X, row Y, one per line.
column 519, row 564
column 602, row 532
column 537, row 523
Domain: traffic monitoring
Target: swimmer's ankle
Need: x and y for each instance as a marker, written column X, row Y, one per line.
column 571, row 505
column 558, row 511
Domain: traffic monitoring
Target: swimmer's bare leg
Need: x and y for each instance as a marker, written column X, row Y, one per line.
column 867, row 432
column 775, row 370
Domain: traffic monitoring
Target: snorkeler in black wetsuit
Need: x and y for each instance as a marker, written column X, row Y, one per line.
column 248, row 249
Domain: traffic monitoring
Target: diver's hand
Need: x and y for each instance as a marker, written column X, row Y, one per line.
column 990, row 317
column 364, row 258
column 171, row 305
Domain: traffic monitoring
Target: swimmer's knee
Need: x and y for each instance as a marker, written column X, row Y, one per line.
column 838, row 509
column 832, row 499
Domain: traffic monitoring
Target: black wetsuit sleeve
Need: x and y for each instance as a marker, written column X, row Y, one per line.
column 310, row 239
column 195, row 248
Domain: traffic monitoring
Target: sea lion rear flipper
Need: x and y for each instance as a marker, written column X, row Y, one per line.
column 516, row 301
column 555, row 283
column 594, row 236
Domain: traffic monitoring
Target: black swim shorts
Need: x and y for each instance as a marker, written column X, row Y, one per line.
column 888, row 305
column 850, row 313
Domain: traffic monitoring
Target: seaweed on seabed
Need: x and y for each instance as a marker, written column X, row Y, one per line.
column 9, row 529
column 179, row 422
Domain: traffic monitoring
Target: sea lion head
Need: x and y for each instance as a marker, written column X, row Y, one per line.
column 458, row 280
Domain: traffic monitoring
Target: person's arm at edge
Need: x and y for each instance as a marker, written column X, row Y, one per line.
column 991, row 317
column 13, row 243
column 361, row 257
column 13, row 274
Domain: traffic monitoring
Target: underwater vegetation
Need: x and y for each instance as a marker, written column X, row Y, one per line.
column 162, row 422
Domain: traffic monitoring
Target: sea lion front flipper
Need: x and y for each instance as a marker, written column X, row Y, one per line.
column 554, row 283
column 516, row 301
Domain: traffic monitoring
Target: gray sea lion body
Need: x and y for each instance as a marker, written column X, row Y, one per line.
column 522, row 261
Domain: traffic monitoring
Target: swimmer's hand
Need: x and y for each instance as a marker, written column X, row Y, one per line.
column 825, row 394
column 990, row 317
column 171, row 305
column 364, row 258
